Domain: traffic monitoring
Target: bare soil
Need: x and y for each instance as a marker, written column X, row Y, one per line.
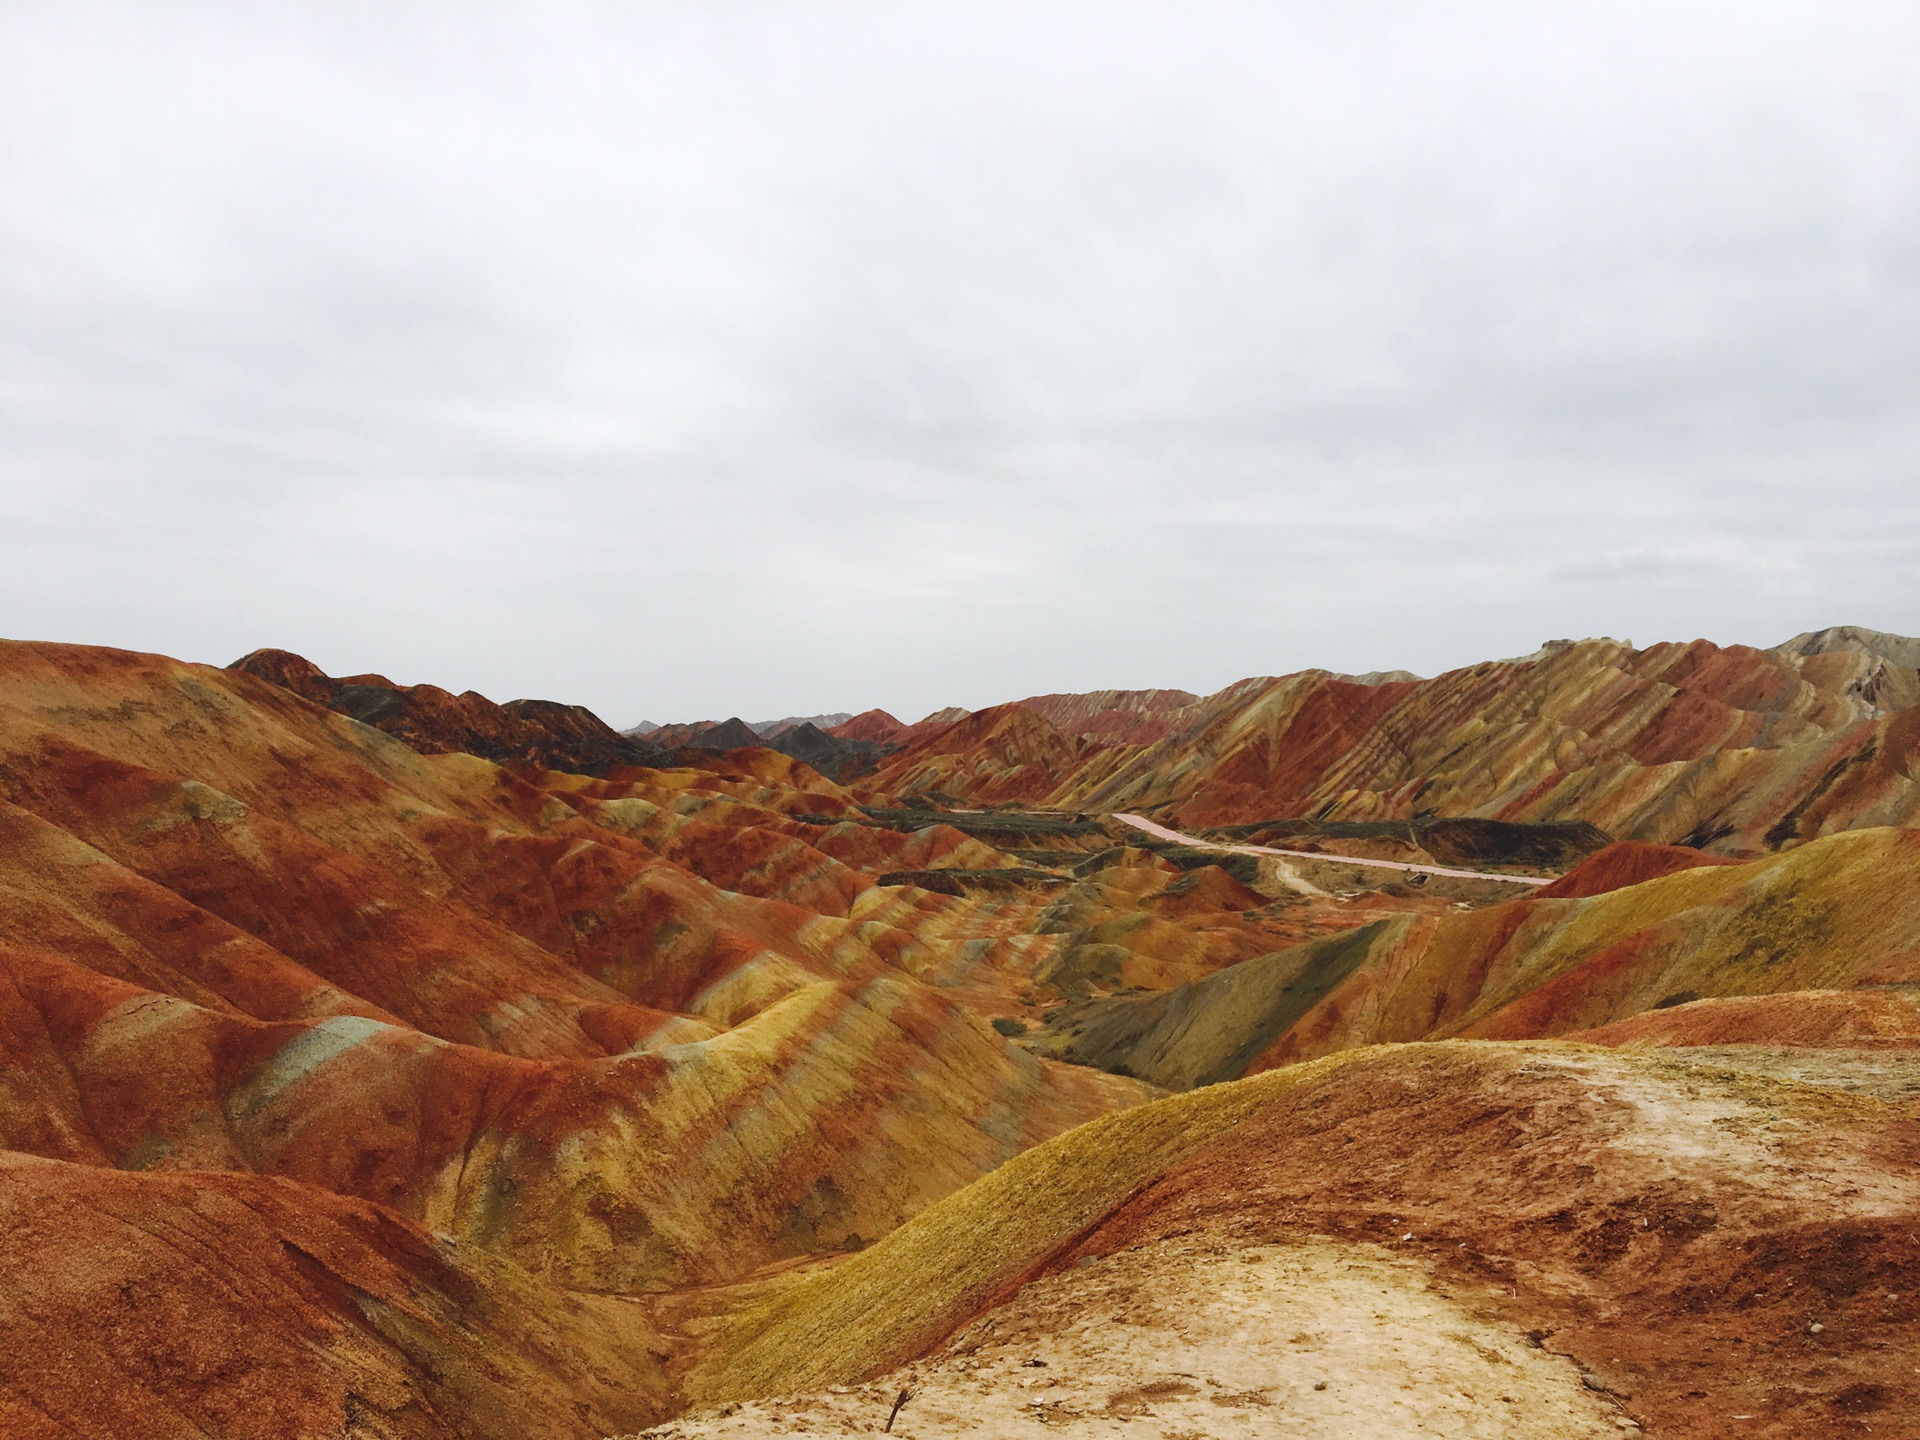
column 1189, row 1338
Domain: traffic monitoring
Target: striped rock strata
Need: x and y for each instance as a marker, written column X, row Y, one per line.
column 1836, row 914
column 1731, row 748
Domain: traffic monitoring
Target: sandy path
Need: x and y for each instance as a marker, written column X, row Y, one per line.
column 1140, row 822
column 1200, row 1340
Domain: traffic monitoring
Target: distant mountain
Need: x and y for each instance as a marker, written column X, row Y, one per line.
column 1899, row 649
column 434, row 721
column 835, row 757
column 682, row 733
column 722, row 735
column 819, row 722
column 874, row 725
column 891, row 733
column 1890, row 682
column 1123, row 716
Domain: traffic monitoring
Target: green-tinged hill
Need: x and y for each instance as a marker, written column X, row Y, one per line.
column 1833, row 914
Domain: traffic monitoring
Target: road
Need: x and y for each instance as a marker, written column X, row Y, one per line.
column 1140, row 822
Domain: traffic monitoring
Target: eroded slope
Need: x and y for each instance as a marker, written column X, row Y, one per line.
column 1832, row 915
column 1726, row 747
column 615, row 1033
column 1700, row 1239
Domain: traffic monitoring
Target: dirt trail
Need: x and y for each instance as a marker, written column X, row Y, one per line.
column 1140, row 822
column 1206, row 1340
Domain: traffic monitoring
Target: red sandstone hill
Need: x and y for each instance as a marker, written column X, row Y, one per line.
column 1727, row 748
column 1131, row 717
column 880, row 728
column 1837, row 914
column 196, row 1303
column 1624, row 863
column 1003, row 754
column 435, row 721
column 1446, row 1240
column 617, row 1033
column 875, row 725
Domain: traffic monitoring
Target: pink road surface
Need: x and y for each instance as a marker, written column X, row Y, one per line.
column 1140, row 822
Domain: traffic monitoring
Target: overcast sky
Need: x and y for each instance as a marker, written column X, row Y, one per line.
column 688, row 360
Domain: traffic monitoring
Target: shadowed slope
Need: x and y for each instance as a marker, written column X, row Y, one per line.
column 434, row 721
column 834, row 755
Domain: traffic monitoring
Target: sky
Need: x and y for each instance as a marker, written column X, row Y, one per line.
column 689, row 360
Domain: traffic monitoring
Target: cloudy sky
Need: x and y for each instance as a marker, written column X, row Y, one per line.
column 695, row 359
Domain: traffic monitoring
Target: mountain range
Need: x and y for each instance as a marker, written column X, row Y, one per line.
column 1528, row 1050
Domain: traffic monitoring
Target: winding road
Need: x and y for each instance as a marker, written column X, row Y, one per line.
column 1140, row 822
